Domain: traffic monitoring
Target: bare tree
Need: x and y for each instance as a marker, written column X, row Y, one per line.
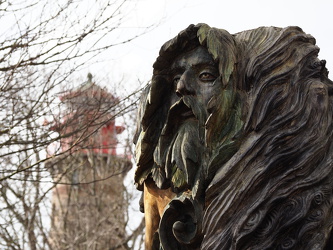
column 90, row 200
column 43, row 44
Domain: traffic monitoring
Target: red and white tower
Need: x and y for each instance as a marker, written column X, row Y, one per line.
column 89, row 205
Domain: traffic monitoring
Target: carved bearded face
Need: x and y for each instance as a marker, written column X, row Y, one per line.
column 193, row 75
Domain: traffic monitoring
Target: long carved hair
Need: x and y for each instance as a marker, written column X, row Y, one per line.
column 275, row 192
column 268, row 168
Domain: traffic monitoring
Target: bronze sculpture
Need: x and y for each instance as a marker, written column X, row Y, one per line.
column 236, row 132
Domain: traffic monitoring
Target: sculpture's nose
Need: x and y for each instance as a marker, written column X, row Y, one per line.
column 185, row 85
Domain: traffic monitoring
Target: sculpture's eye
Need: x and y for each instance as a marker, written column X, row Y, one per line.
column 175, row 80
column 207, row 77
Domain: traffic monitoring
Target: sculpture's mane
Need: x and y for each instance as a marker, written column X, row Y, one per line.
column 285, row 149
column 268, row 169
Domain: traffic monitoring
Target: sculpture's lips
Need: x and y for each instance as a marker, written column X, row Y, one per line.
column 181, row 110
column 188, row 107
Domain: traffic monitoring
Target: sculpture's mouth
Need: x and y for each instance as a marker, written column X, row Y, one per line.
column 183, row 109
column 179, row 112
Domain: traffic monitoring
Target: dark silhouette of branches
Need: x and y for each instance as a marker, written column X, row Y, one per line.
column 42, row 47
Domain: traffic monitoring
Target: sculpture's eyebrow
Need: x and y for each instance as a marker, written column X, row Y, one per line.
column 176, row 69
column 209, row 64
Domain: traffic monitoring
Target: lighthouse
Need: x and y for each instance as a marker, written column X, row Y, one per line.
column 89, row 201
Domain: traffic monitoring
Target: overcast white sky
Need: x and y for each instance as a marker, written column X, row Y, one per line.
column 136, row 59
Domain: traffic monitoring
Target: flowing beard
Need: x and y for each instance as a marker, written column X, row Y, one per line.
column 178, row 155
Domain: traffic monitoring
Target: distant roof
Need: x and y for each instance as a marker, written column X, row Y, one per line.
column 88, row 88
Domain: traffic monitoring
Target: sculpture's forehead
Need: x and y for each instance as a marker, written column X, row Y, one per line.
column 197, row 56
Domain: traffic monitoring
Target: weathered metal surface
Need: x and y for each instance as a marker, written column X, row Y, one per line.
column 240, row 128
